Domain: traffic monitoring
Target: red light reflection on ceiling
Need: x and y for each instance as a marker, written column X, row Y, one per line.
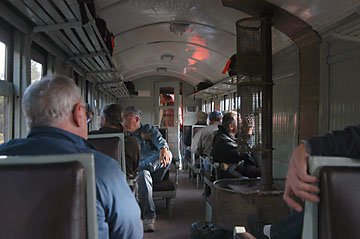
column 199, row 53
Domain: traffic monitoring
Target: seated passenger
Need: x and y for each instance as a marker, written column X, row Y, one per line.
column 205, row 137
column 204, row 144
column 111, row 119
column 225, row 151
column 201, row 118
column 155, row 161
column 56, row 115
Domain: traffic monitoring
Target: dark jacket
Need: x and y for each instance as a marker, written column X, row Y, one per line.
column 225, row 150
column 342, row 143
column 132, row 149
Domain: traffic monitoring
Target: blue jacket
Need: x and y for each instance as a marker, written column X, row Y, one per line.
column 151, row 141
column 117, row 210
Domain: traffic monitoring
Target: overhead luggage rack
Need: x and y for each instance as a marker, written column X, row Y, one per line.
column 61, row 21
column 221, row 87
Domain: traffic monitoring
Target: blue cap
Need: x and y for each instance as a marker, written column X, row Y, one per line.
column 215, row 114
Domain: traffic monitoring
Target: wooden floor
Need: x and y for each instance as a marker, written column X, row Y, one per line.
column 189, row 207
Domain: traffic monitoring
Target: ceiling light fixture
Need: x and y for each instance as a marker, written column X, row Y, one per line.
column 167, row 57
column 178, row 28
column 161, row 69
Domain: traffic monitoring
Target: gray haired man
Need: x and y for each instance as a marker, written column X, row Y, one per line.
column 57, row 118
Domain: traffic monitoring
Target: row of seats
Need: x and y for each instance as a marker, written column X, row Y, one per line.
column 71, row 187
column 192, row 161
column 113, row 146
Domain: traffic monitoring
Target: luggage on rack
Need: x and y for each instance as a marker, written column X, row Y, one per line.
column 106, row 35
column 91, row 6
column 203, row 85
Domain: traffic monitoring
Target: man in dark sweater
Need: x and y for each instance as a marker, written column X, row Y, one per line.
column 111, row 118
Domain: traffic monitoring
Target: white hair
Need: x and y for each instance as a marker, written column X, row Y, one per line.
column 50, row 100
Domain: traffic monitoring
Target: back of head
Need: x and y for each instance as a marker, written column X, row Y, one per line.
column 50, row 100
column 113, row 114
column 201, row 117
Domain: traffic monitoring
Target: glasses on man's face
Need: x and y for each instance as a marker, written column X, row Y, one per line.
column 89, row 112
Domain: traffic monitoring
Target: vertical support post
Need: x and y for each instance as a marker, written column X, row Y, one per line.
column 266, row 159
column 22, row 75
column 309, row 90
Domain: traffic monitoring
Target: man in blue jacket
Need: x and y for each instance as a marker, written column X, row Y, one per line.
column 57, row 118
column 154, row 162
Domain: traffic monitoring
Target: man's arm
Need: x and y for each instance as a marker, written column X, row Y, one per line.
column 298, row 182
column 342, row 143
column 117, row 208
column 163, row 147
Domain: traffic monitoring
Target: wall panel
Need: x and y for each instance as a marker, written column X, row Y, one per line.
column 344, row 101
column 285, row 108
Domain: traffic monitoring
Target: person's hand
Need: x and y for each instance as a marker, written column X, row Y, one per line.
column 164, row 156
column 298, row 181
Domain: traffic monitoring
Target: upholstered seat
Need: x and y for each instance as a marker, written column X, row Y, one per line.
column 47, row 197
column 166, row 189
column 336, row 216
column 339, row 208
column 164, row 185
column 112, row 145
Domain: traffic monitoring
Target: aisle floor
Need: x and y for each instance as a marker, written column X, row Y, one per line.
column 189, row 207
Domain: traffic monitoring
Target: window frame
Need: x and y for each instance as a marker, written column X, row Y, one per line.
column 7, row 86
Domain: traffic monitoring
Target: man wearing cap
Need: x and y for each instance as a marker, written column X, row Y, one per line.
column 205, row 135
column 155, row 161
column 111, row 119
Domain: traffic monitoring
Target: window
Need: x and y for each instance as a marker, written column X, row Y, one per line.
column 4, row 109
column 203, row 106
column 6, row 89
column 222, row 104
column 36, row 71
column 38, row 62
column 2, row 61
column 167, row 109
column 227, row 103
column 234, row 106
column 208, row 106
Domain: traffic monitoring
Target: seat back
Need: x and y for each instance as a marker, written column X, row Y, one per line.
column 194, row 131
column 187, row 134
column 164, row 133
column 336, row 214
column 195, row 128
column 48, row 197
column 112, row 145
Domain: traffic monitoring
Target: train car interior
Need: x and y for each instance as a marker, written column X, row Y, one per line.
column 288, row 70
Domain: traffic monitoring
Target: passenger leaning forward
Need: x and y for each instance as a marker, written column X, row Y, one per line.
column 111, row 119
column 225, row 151
column 155, row 161
column 57, row 118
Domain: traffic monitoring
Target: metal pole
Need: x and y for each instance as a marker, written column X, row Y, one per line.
column 266, row 162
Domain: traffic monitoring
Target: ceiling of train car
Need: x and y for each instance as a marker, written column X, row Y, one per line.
column 191, row 39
